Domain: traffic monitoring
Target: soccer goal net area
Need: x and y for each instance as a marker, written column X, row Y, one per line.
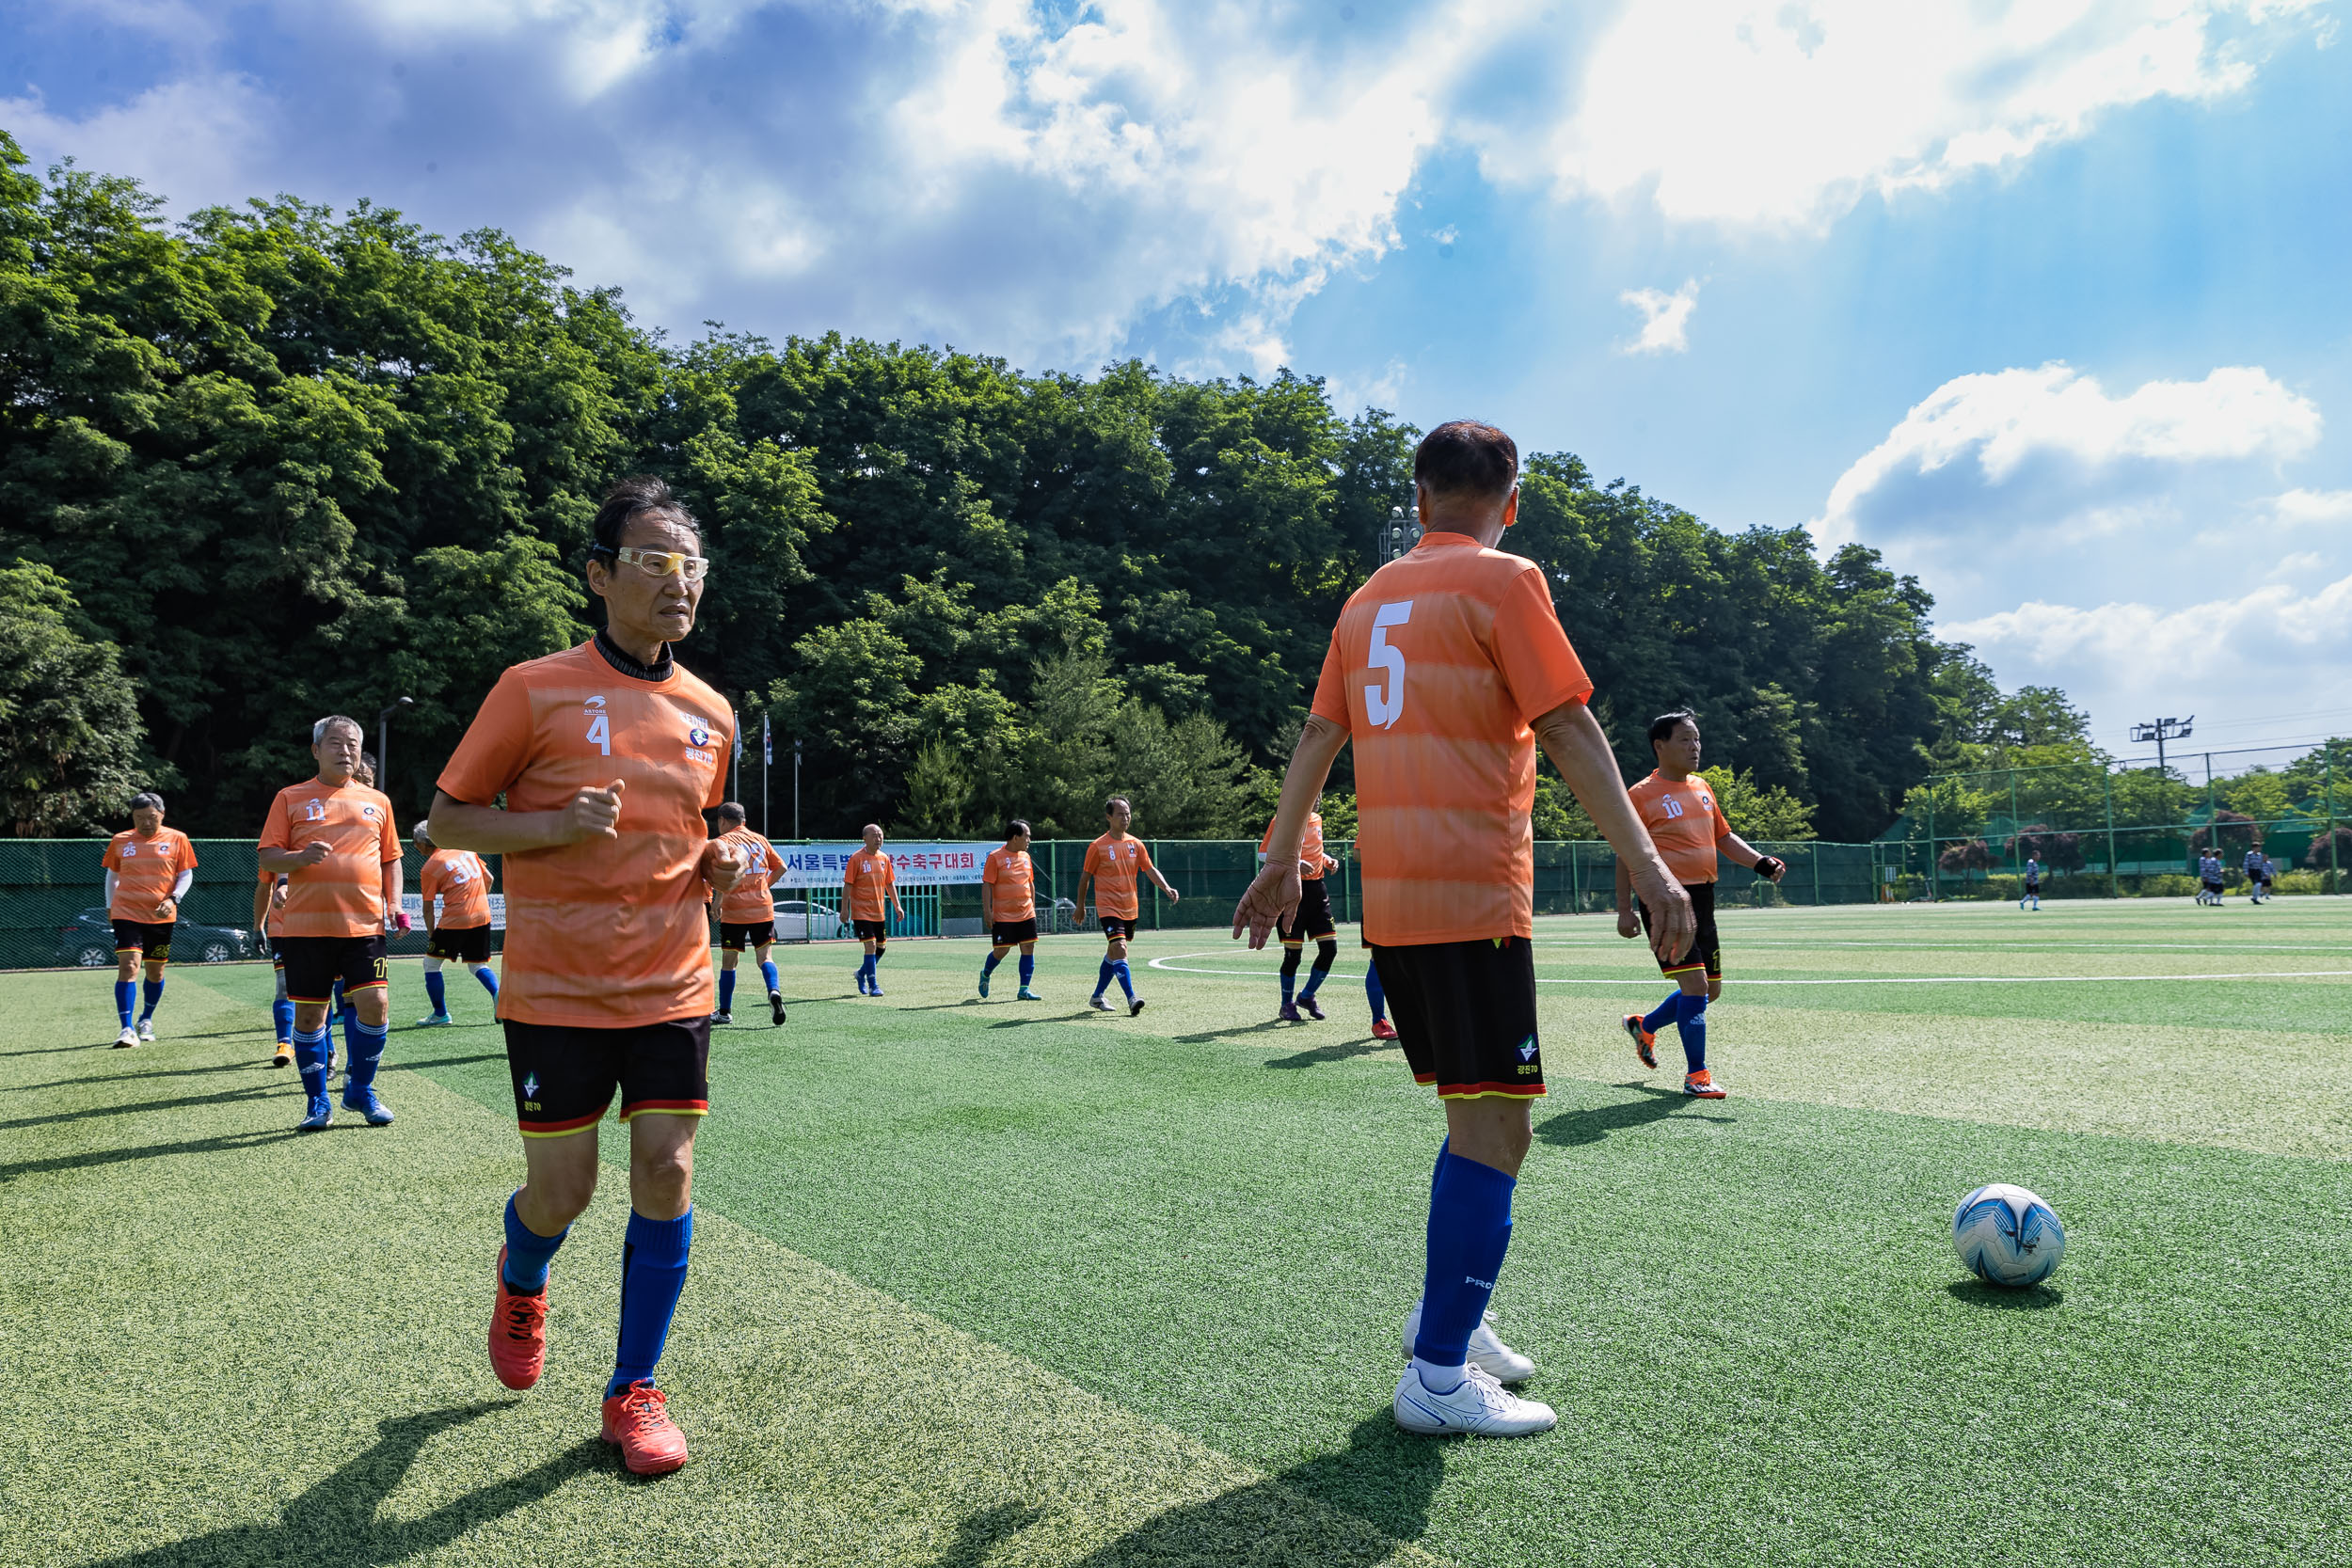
column 2130, row 830
column 53, row 902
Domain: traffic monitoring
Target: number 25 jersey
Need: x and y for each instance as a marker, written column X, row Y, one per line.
column 605, row 933
column 1435, row 668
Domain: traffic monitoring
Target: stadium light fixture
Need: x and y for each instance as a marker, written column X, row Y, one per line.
column 384, row 740
column 2162, row 730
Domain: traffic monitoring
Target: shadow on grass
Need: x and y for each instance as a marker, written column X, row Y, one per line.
column 1043, row 1018
column 339, row 1523
column 2002, row 1298
column 183, row 1102
column 1209, row 1036
column 448, row 1061
column 978, row 1535
column 132, row 1077
column 1570, row 1127
column 89, row 1159
column 1340, row 1053
column 1375, row 1493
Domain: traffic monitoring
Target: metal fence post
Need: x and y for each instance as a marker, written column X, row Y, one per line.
column 1936, row 879
column 2335, row 851
column 2115, row 870
column 1816, row 857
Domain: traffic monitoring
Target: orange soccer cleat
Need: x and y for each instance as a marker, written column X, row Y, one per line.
column 1383, row 1030
column 638, row 1419
column 1702, row 1086
column 518, row 1334
column 1644, row 1043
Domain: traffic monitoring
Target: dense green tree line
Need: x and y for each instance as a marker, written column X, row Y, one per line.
column 288, row 462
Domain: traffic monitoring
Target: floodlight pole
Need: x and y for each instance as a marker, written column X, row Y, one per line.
column 796, row 788
column 384, row 741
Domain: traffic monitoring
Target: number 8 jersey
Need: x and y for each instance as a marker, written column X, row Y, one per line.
column 606, row 933
column 1435, row 668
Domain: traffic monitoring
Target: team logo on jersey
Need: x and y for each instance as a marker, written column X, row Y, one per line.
column 531, row 1085
column 594, row 703
column 367, row 812
column 1527, row 1049
column 314, row 812
column 698, row 734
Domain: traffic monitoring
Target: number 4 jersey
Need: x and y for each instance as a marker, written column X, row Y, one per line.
column 1435, row 668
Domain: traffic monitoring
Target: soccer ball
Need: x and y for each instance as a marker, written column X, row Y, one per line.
column 2007, row 1236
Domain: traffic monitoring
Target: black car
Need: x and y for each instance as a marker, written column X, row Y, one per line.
column 89, row 942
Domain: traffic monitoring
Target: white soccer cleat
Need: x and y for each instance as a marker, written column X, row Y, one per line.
column 147, row 1031
column 129, row 1036
column 1480, row 1407
column 1486, row 1350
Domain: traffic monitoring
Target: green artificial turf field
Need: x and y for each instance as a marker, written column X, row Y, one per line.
column 998, row 1283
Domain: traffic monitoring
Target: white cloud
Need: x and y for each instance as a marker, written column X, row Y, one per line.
column 194, row 134
column 2249, row 653
column 2061, row 424
column 2311, row 506
column 1786, row 112
column 1665, row 319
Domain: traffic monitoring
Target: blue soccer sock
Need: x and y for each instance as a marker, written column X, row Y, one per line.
column 489, row 979
column 1664, row 1013
column 867, row 969
column 437, row 989
column 768, row 973
column 1325, row 953
column 726, row 991
column 281, row 1014
column 528, row 1254
column 1693, row 1024
column 151, row 991
column 988, row 965
column 126, row 998
column 1469, row 1231
column 1373, row 991
column 1101, row 983
column 309, row 1053
column 1290, row 972
column 1029, row 967
column 366, row 1042
column 1126, row 981
column 653, row 1272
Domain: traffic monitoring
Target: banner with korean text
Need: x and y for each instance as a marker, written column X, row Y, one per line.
column 918, row 864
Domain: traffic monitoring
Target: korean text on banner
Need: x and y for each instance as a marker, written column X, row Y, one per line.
column 919, row 864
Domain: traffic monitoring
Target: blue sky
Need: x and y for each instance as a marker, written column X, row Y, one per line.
column 2046, row 300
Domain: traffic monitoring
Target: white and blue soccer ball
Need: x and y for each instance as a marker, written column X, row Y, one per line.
column 2007, row 1236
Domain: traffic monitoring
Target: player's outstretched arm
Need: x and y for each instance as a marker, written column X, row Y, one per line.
column 1273, row 894
column 488, row 831
column 1574, row 741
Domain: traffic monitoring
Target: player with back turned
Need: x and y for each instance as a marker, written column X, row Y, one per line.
column 1684, row 821
column 747, row 913
column 608, row 754
column 148, row 872
column 1446, row 671
column 454, row 890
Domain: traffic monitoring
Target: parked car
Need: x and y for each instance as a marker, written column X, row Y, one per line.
column 796, row 917
column 89, row 942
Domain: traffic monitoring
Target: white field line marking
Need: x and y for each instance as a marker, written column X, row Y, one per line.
column 1171, row 964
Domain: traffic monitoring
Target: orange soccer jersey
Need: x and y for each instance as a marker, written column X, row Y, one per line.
column 749, row 901
column 606, row 933
column 1014, row 877
column 1115, row 864
column 463, row 883
column 146, row 870
column 1309, row 847
column 1684, row 822
column 1435, row 668
column 343, row 895
column 870, row 878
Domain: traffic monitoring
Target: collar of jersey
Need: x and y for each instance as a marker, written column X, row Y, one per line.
column 629, row 667
column 1446, row 539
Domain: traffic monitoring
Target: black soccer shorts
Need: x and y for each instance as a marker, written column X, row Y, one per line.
column 1013, row 933
column 1465, row 1013
column 735, row 936
column 1706, row 951
column 462, row 944
column 313, row 964
column 564, row 1073
column 1312, row 918
column 1118, row 927
column 871, row 930
column 150, row 937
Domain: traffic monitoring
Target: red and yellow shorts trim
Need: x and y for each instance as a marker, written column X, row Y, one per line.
column 565, row 1075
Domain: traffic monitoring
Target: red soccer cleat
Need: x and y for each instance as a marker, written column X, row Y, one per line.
column 637, row 1418
column 1644, row 1043
column 518, row 1334
column 1702, row 1086
column 1383, row 1030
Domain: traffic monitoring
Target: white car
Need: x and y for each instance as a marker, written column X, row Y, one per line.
column 798, row 920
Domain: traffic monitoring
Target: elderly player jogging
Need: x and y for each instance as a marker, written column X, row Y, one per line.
column 1113, row 863
column 1446, row 669
column 148, row 872
column 1009, row 907
column 334, row 839
column 608, row 754
column 1684, row 821
column 747, row 913
column 869, row 886
column 458, row 931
